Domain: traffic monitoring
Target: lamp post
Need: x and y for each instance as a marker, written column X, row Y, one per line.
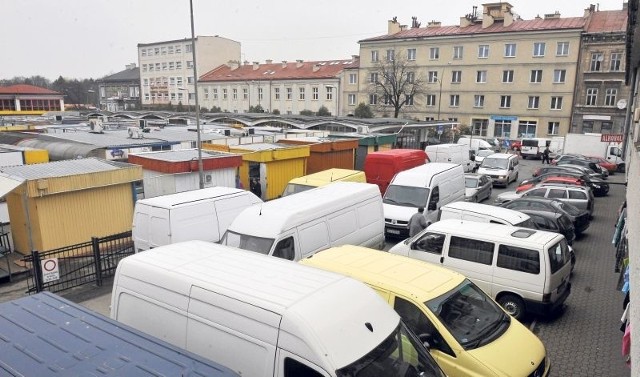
column 88, row 92
column 195, row 84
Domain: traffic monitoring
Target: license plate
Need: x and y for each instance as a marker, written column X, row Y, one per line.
column 393, row 231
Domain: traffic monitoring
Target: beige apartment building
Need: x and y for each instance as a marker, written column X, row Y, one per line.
column 289, row 87
column 495, row 72
column 166, row 68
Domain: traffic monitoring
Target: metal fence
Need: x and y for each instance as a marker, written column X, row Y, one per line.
column 72, row 266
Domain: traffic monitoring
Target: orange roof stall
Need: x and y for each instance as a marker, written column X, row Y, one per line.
column 327, row 153
column 272, row 163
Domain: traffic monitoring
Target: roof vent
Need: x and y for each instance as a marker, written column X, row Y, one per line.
column 523, row 233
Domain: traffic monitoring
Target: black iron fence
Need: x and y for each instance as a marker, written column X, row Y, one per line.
column 72, row 266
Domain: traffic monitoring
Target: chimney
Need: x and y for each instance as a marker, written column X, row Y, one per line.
column 355, row 57
column 299, row 63
column 393, row 26
column 130, row 66
column 284, row 64
column 316, row 67
column 269, row 61
column 465, row 21
column 551, row 16
column 487, row 19
column 590, row 10
column 246, row 62
column 256, row 65
column 432, row 24
column 233, row 64
column 508, row 19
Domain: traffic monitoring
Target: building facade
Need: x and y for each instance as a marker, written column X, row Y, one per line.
column 166, row 68
column 120, row 91
column 29, row 100
column 496, row 73
column 601, row 94
column 288, row 87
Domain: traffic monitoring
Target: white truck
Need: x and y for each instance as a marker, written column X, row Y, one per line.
column 591, row 144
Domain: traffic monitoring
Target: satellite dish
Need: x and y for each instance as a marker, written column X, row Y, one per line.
column 622, row 104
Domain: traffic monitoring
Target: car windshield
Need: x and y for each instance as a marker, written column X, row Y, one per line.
column 470, row 182
column 495, row 163
column 406, row 196
column 470, row 315
column 399, row 355
column 528, row 223
column 559, row 255
column 247, row 242
column 568, row 208
column 484, row 153
column 294, row 188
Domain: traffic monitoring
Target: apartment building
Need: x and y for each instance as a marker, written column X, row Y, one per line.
column 495, row 72
column 166, row 68
column 601, row 94
column 289, row 87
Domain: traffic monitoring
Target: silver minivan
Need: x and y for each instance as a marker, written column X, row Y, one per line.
column 503, row 168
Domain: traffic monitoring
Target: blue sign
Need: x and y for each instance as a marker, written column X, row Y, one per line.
column 440, row 129
column 503, row 117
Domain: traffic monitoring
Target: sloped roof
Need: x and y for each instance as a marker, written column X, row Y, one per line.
column 538, row 24
column 63, row 168
column 25, row 89
column 280, row 71
column 608, row 21
column 132, row 74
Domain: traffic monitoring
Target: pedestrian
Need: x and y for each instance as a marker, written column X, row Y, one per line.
column 545, row 155
column 417, row 222
column 255, row 187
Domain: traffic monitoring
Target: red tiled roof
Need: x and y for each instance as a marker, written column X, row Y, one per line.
column 608, row 21
column 280, row 71
column 25, row 89
column 497, row 27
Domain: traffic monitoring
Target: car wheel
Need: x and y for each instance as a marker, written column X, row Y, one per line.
column 513, row 305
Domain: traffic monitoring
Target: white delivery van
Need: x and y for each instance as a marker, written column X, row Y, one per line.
column 533, row 147
column 524, row 270
column 429, row 186
column 503, row 168
column 263, row 317
column 485, row 214
column 296, row 226
column 476, row 144
column 191, row 215
column 453, row 153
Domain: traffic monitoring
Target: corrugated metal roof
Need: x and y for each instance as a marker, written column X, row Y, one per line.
column 108, row 139
column 183, row 155
column 25, row 89
column 261, row 146
column 63, row 168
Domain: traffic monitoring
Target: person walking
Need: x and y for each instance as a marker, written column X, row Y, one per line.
column 545, row 155
column 255, row 187
column 417, row 222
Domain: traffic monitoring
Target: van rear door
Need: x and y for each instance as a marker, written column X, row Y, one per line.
column 159, row 231
column 558, row 272
column 227, row 210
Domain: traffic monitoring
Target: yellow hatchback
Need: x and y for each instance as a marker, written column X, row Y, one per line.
column 467, row 332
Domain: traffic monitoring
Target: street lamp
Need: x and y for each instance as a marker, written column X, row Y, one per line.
column 89, row 91
column 195, row 85
column 440, row 91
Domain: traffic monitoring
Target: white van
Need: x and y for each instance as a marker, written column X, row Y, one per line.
column 485, row 214
column 533, row 147
column 296, row 226
column 476, row 144
column 191, row 215
column 429, row 186
column 262, row 316
column 524, row 270
column 454, row 153
column 503, row 168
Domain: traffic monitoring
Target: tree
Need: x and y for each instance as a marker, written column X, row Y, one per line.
column 275, row 112
column 363, row 111
column 323, row 111
column 180, row 107
column 396, row 82
column 306, row 112
column 216, row 109
column 256, row 109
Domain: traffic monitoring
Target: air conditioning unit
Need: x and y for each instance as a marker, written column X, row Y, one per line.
column 135, row 133
column 142, row 123
column 96, row 126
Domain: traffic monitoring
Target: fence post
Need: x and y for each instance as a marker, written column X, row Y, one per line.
column 96, row 259
column 37, row 271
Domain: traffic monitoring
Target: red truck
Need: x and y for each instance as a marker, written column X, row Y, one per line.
column 380, row 167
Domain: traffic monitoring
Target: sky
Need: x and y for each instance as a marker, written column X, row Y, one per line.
column 82, row 39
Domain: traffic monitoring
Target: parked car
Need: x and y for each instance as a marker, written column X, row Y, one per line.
column 580, row 197
column 566, row 156
column 599, row 187
column 479, row 157
column 477, row 187
column 580, row 218
column 565, row 168
column 610, row 166
column 587, row 164
column 552, row 180
column 553, row 222
column 503, row 168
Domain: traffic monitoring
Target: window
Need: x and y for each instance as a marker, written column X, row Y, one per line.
column 478, row 100
column 556, row 103
column 527, row 128
column 189, row 79
column 454, row 100
column 215, row 93
column 559, row 76
column 431, row 243
column 434, row 53
column 187, row 48
column 606, row 127
column 510, row 50
column 301, row 94
column 144, row 68
column 285, row 249
column 235, row 93
column 178, row 49
column 172, row 66
column 224, row 93
column 538, row 193
column 329, row 95
column 610, row 97
column 457, row 52
column 574, row 194
column 314, row 93
column 179, row 81
column 562, row 49
column 536, row 75
column 373, row 99
column 178, row 65
column 156, row 51
column 245, row 93
column 289, row 94
column 170, row 49
column 411, row 77
column 352, row 99
column 276, row 93
column 596, row 62
column 502, row 128
column 353, row 78
column 471, row 250
column 408, row 100
column 553, row 128
column 616, row 61
column 518, row 259
column 483, row 51
column 538, row 49
column 259, row 93
column 534, row 102
column 431, row 99
column 391, row 54
column 294, row 368
column 164, row 66
column 507, row 76
column 373, row 77
column 163, row 50
column 587, row 126
column 456, row 77
column 411, row 54
column 374, row 56
column 592, row 97
column 143, row 52
column 432, row 76
column 481, row 76
column 557, row 194
column 189, row 64
column 505, row 102
column 419, row 323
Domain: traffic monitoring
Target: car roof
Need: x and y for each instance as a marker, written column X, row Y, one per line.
column 561, row 186
column 560, row 178
column 547, row 214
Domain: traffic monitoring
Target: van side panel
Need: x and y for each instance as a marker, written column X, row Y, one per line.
column 159, row 227
column 195, row 222
column 312, row 237
column 140, row 230
column 370, row 217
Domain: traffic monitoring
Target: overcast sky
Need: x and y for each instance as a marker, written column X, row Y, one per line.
column 94, row 38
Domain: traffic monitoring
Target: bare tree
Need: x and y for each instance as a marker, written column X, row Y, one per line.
column 396, row 82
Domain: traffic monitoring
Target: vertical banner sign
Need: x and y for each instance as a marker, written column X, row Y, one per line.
column 50, row 270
